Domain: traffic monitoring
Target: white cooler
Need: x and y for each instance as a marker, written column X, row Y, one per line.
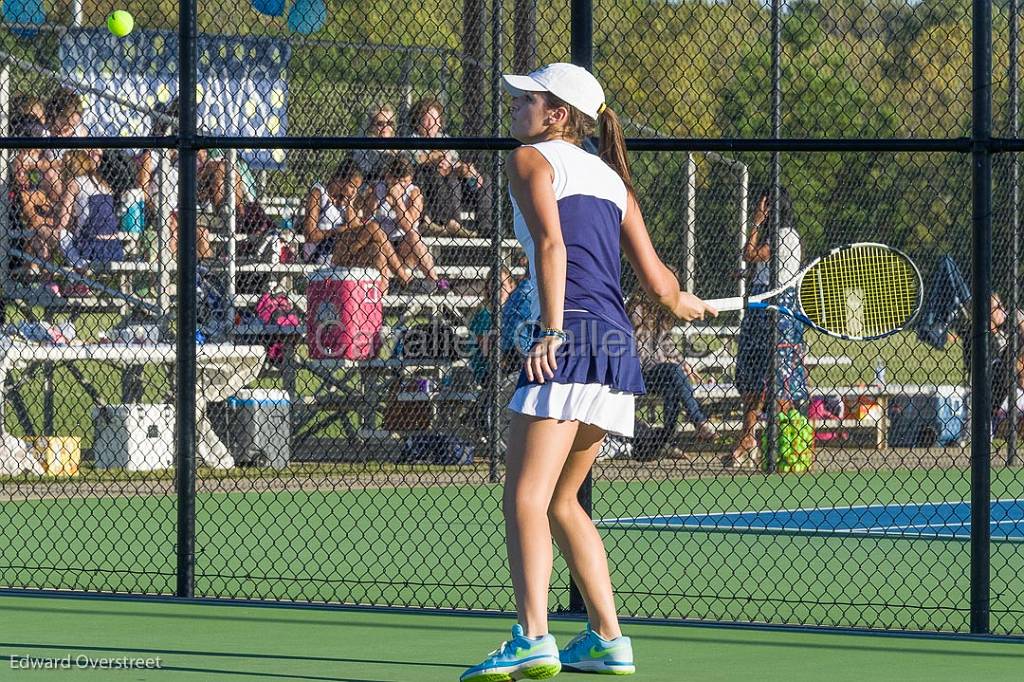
column 136, row 437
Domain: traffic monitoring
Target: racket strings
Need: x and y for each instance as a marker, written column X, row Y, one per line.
column 862, row 291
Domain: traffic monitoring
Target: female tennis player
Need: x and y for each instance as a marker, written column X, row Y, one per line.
column 572, row 212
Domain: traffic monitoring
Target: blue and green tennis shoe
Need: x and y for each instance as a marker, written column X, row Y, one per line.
column 588, row 652
column 517, row 659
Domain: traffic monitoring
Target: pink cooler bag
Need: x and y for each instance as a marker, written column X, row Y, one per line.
column 345, row 310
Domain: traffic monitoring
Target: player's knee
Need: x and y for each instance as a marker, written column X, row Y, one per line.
column 522, row 501
column 562, row 509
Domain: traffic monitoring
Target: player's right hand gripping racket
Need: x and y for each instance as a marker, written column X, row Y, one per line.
column 858, row 291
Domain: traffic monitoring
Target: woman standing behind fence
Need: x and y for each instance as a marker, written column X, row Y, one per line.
column 571, row 209
column 756, row 341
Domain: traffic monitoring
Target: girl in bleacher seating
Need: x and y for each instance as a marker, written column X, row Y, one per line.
column 37, row 173
column 162, row 184
column 64, row 109
column 31, row 202
column 397, row 205
column 453, row 186
column 87, row 222
column 480, row 327
column 337, row 231
column 380, row 123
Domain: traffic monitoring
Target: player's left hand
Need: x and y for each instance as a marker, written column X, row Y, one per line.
column 540, row 362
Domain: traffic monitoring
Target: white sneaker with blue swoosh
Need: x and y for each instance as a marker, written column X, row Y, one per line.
column 517, row 659
column 588, row 652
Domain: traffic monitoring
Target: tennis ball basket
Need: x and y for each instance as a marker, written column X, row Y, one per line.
column 794, row 451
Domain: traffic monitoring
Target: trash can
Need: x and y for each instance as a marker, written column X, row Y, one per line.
column 259, row 427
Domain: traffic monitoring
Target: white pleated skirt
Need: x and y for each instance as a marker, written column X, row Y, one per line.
column 594, row 404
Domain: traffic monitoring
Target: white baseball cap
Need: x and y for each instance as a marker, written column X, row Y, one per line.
column 570, row 83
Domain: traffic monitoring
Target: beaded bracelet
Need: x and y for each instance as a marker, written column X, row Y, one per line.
column 553, row 332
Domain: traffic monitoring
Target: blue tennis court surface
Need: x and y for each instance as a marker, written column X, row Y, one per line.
column 925, row 521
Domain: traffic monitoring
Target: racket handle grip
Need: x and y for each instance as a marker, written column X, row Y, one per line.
column 725, row 304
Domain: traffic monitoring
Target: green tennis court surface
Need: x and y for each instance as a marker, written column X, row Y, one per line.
column 444, row 547
column 221, row 643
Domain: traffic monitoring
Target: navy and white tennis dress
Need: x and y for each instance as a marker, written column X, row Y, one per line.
column 598, row 371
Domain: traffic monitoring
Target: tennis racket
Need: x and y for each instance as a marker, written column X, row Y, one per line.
column 858, row 291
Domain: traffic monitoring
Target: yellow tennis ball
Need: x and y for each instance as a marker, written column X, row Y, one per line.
column 120, row 23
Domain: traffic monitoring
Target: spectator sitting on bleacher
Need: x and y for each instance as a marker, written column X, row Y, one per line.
column 64, row 110
column 28, row 116
column 28, row 119
column 211, row 182
column 443, row 202
column 665, row 370
column 450, row 185
column 331, row 209
column 156, row 185
column 337, row 231
column 87, row 222
column 380, row 123
column 436, row 173
column 31, row 206
column 396, row 205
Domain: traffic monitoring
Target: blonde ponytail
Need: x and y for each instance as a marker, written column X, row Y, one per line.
column 612, row 145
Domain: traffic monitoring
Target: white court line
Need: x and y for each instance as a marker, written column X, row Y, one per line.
column 806, row 509
column 882, row 532
column 936, row 525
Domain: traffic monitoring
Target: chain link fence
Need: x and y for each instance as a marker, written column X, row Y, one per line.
column 360, row 304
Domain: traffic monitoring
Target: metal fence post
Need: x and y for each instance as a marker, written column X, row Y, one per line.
column 771, row 406
column 5, row 200
column 494, row 359
column 1014, row 96
column 185, row 362
column 231, row 221
column 981, row 396
column 689, row 278
column 582, row 50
